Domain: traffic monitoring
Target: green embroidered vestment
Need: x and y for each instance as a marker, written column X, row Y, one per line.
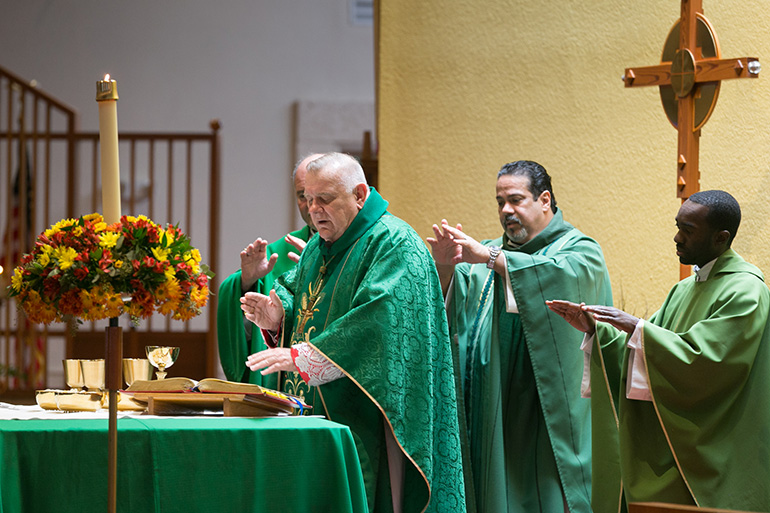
column 378, row 315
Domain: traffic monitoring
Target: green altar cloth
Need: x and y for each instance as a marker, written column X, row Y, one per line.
column 181, row 465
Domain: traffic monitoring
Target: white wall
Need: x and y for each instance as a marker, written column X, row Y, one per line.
column 181, row 63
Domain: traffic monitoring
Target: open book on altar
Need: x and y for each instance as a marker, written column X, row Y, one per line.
column 173, row 395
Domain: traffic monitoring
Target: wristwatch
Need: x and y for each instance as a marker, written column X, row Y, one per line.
column 493, row 252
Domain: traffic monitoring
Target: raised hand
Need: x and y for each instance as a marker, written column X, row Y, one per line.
column 264, row 311
column 471, row 250
column 254, row 263
column 297, row 243
column 446, row 251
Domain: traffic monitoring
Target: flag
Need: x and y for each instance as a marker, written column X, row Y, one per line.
column 27, row 365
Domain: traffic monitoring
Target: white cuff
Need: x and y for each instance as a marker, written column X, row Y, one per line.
column 636, row 381
column 585, row 346
column 318, row 369
column 510, row 299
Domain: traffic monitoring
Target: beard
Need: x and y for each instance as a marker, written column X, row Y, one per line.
column 517, row 235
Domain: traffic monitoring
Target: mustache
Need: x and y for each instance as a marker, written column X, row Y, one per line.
column 512, row 218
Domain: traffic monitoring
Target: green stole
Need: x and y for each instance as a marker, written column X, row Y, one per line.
column 521, row 372
column 231, row 334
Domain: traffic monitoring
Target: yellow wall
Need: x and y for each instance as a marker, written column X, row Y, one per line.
column 467, row 85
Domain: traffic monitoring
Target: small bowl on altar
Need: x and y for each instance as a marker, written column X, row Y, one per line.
column 93, row 374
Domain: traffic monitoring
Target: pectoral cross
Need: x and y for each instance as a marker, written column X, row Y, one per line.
column 689, row 77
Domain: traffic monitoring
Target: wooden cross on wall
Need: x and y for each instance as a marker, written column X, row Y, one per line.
column 689, row 77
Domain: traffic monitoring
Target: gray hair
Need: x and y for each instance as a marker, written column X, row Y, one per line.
column 345, row 169
column 300, row 161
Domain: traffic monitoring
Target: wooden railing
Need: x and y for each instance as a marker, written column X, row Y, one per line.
column 170, row 177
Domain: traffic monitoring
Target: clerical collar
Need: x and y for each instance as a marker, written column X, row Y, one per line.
column 511, row 243
column 702, row 273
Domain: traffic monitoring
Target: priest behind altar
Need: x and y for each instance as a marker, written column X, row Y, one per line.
column 261, row 265
column 363, row 336
column 694, row 407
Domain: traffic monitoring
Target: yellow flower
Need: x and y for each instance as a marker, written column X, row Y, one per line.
column 96, row 216
column 78, row 231
column 170, row 235
column 44, row 257
column 190, row 259
column 66, row 257
column 160, row 254
column 117, row 264
column 108, row 239
column 100, row 226
column 200, row 296
column 17, row 279
column 87, row 299
column 114, row 305
column 173, row 289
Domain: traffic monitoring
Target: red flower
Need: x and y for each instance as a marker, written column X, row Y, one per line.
column 81, row 273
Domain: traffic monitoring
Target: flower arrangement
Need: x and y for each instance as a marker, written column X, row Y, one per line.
column 88, row 270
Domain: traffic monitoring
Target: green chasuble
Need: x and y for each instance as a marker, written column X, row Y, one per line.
column 703, row 439
column 371, row 304
column 234, row 348
column 528, row 428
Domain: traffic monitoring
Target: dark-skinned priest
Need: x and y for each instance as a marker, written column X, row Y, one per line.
column 528, row 429
column 361, row 333
column 694, row 407
column 261, row 264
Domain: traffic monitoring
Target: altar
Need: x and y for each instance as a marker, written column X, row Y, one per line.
column 180, row 464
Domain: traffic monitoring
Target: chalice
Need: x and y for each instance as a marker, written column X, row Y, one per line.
column 162, row 357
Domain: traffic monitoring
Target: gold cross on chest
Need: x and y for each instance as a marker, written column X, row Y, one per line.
column 689, row 76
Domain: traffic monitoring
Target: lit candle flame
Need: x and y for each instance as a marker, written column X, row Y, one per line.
column 107, row 77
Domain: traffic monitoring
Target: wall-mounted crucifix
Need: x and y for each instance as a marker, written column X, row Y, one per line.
column 689, row 76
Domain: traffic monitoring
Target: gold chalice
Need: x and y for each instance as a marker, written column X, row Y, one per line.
column 73, row 374
column 136, row 369
column 93, row 374
column 162, row 357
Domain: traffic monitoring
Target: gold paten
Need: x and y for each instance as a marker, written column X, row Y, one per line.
column 69, row 400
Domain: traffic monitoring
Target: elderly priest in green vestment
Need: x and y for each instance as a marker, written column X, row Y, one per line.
column 529, row 430
column 694, row 402
column 261, row 264
column 360, row 321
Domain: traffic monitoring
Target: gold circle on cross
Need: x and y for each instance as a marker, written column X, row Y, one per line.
column 705, row 93
column 683, row 72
